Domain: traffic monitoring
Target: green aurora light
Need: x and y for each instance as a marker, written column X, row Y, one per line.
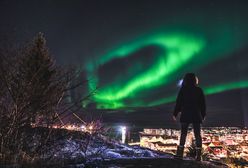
column 218, row 88
column 181, row 49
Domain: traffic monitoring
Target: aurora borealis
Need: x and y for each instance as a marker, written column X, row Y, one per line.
column 135, row 52
column 142, row 70
column 178, row 50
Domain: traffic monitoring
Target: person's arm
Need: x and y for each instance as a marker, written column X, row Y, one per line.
column 202, row 105
column 178, row 106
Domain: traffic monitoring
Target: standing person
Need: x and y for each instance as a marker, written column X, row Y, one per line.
column 190, row 103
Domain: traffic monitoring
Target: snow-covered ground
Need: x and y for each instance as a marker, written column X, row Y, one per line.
column 96, row 150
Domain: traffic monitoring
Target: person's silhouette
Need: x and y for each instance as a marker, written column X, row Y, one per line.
column 190, row 103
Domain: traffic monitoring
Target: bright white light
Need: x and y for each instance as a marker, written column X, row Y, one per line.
column 180, row 82
column 197, row 80
column 123, row 131
column 83, row 127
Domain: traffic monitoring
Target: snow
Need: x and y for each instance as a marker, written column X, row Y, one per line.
column 98, row 148
column 112, row 154
column 81, row 150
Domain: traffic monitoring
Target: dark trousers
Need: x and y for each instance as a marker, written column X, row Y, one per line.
column 197, row 133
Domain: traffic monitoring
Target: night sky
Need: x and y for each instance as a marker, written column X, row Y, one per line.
column 137, row 51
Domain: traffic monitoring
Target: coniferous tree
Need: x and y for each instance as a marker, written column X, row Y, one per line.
column 31, row 87
column 42, row 82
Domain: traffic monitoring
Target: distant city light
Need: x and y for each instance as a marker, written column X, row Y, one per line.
column 83, row 127
column 90, row 127
column 218, row 143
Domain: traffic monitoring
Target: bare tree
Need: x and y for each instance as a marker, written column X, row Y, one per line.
column 34, row 91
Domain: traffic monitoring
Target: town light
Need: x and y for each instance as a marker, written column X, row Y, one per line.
column 83, row 127
column 90, row 127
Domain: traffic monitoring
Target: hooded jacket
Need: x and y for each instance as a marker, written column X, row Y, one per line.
column 191, row 103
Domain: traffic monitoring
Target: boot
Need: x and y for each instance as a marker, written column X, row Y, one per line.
column 179, row 154
column 198, row 154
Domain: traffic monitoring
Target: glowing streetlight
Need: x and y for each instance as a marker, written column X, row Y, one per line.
column 123, row 131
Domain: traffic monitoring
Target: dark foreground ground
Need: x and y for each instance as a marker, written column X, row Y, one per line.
column 73, row 149
column 129, row 163
column 156, row 163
